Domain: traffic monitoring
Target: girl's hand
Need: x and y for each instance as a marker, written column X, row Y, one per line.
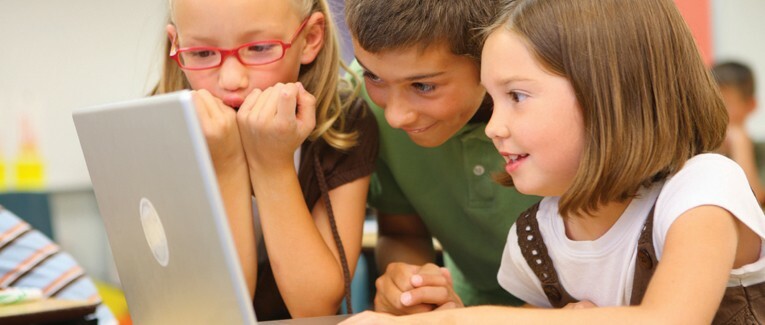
column 580, row 305
column 218, row 122
column 275, row 122
column 369, row 317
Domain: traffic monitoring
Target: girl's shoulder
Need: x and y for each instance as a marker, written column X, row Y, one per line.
column 706, row 176
column 710, row 161
column 707, row 179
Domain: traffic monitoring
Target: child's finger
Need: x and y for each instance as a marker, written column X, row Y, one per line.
column 267, row 103
column 306, row 106
column 436, row 296
column 389, row 289
column 249, row 103
column 200, row 104
column 388, row 299
column 580, row 305
column 448, row 305
column 447, row 274
column 429, row 280
column 287, row 103
column 212, row 104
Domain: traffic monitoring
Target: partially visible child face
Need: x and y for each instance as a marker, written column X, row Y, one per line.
column 536, row 125
column 739, row 107
column 228, row 24
column 429, row 94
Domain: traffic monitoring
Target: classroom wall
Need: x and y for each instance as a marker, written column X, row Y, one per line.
column 739, row 34
column 59, row 56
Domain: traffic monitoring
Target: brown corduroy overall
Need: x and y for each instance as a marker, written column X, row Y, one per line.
column 740, row 305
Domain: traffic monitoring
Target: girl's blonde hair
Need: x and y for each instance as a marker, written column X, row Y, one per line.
column 321, row 78
column 648, row 102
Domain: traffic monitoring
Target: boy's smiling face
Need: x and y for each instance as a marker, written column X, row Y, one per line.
column 429, row 93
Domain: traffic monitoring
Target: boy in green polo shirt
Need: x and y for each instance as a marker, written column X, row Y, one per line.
column 420, row 67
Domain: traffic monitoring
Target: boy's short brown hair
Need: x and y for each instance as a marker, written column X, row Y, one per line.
column 735, row 75
column 380, row 25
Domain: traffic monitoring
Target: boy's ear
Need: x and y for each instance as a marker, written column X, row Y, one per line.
column 314, row 37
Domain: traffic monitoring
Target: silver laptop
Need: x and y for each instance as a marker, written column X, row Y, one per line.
column 159, row 200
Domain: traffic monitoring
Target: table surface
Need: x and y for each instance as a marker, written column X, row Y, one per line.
column 45, row 310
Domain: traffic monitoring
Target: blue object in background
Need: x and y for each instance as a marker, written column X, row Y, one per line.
column 361, row 293
column 32, row 207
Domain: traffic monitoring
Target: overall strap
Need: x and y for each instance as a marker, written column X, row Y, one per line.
column 646, row 261
column 333, row 224
column 535, row 252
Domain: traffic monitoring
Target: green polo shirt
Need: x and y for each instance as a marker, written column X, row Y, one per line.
column 451, row 189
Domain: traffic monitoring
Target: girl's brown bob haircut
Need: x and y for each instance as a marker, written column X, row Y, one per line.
column 648, row 102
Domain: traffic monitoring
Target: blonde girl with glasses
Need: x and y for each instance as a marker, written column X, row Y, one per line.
column 281, row 127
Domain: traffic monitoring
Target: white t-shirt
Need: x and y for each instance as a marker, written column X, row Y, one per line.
column 602, row 270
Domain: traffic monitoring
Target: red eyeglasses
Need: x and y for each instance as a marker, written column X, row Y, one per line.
column 254, row 53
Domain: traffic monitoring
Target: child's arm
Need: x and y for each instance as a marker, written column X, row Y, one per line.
column 686, row 288
column 402, row 238
column 218, row 123
column 301, row 247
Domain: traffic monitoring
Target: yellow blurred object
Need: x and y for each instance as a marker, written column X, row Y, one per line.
column 30, row 169
column 3, row 179
column 114, row 298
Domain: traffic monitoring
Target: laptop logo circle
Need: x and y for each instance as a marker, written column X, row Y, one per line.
column 154, row 232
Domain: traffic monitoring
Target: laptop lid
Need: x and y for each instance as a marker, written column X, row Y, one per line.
column 165, row 220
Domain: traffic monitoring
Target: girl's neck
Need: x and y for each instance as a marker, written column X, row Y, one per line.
column 594, row 225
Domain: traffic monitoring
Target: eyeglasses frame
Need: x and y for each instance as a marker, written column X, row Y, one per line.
column 224, row 53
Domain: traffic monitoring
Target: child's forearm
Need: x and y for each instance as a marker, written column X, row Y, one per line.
column 513, row 315
column 308, row 274
column 235, row 190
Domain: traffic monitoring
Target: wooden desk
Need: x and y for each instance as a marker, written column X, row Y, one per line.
column 47, row 311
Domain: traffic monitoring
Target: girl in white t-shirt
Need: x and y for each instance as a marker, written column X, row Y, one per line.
column 605, row 108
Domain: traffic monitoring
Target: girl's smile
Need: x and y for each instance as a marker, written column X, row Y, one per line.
column 513, row 161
